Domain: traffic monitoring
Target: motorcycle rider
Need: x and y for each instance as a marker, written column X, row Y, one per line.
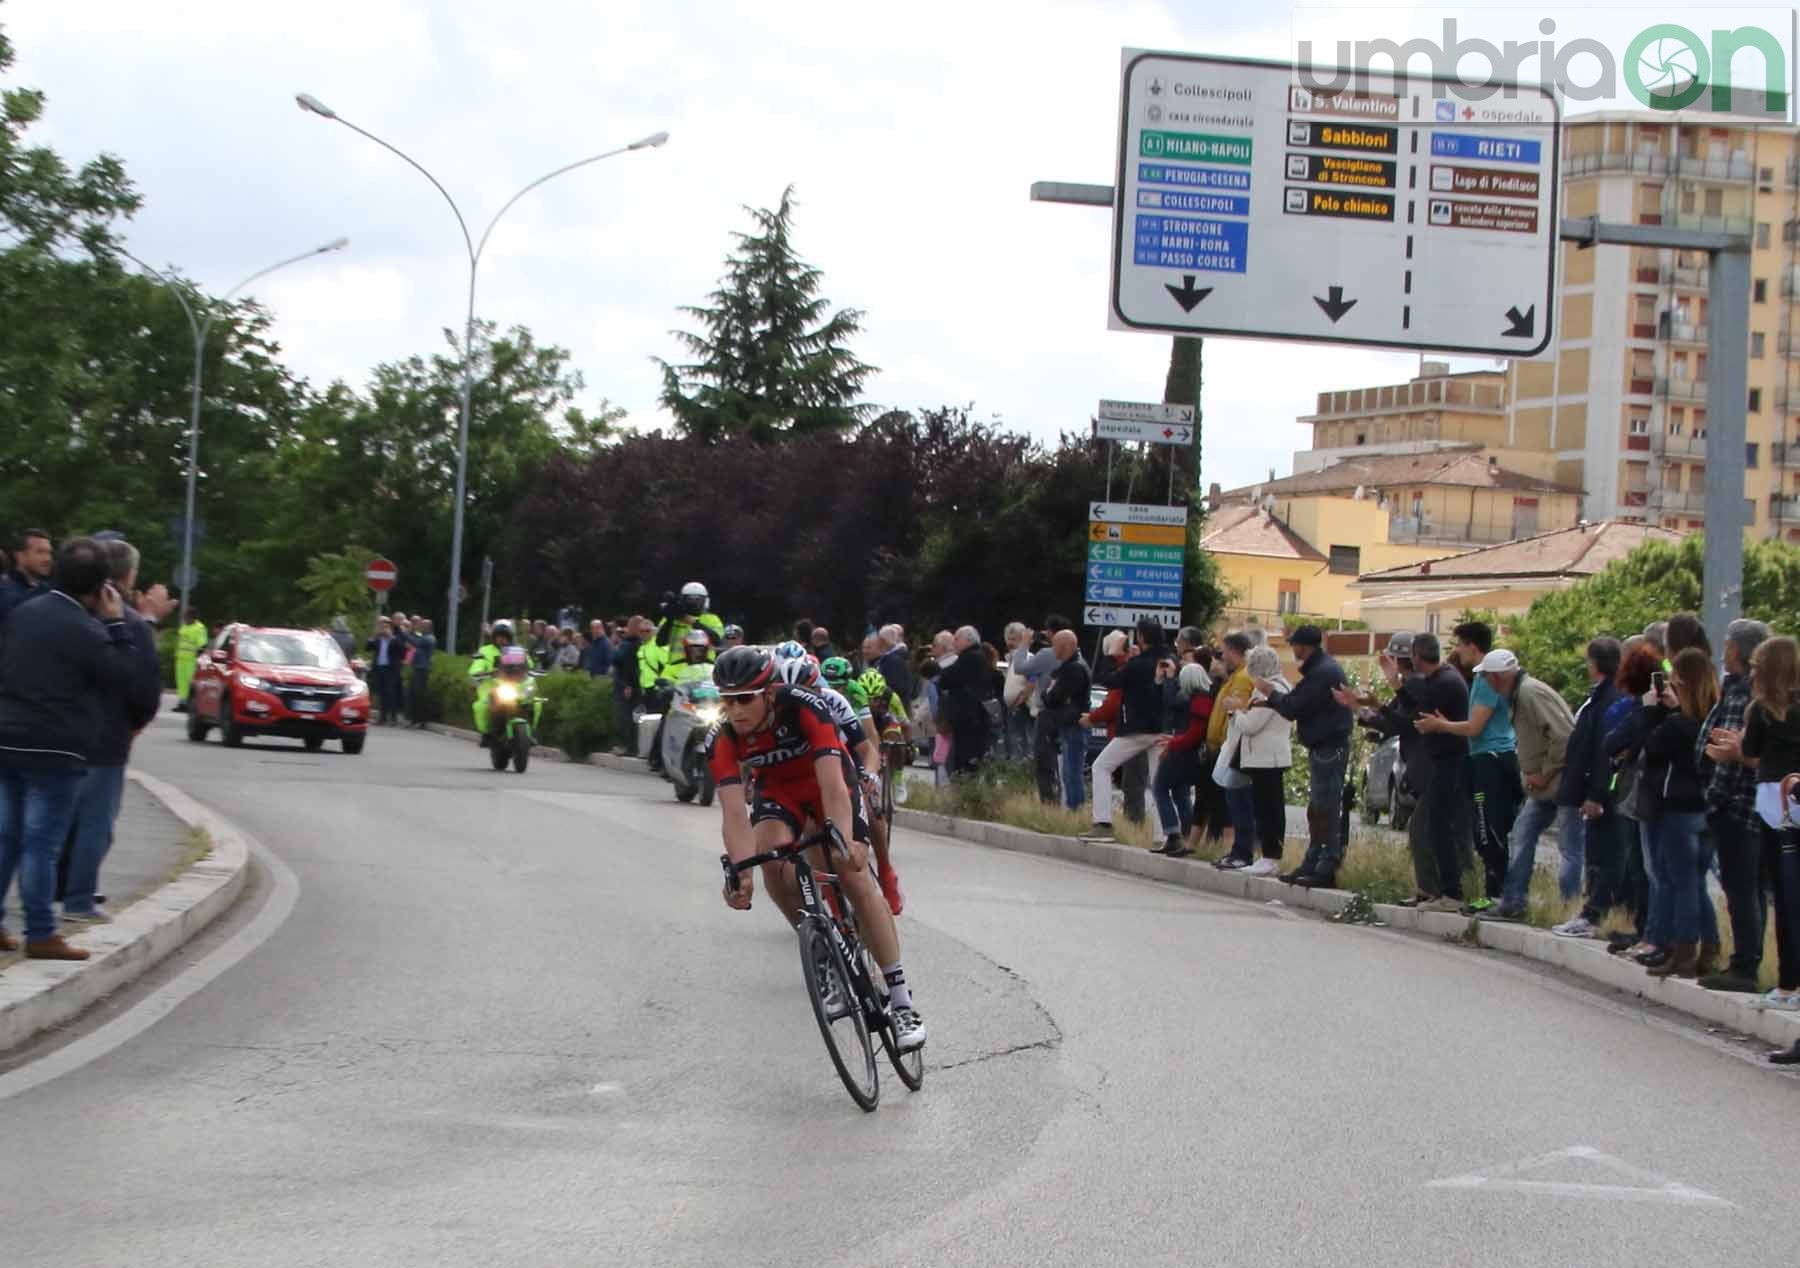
column 487, row 657
column 656, row 659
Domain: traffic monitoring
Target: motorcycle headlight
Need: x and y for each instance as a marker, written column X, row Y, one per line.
column 709, row 713
column 506, row 693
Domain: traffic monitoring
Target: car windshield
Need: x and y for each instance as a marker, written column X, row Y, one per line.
column 313, row 651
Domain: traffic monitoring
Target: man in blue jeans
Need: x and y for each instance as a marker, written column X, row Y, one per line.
column 122, row 716
column 1542, row 724
column 63, row 656
column 1065, row 700
column 1324, row 728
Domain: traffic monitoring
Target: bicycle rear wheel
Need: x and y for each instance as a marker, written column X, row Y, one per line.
column 840, row 1014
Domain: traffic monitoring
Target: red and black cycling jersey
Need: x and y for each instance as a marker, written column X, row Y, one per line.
column 798, row 731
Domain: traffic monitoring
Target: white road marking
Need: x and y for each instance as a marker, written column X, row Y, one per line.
column 170, row 995
column 1647, row 1186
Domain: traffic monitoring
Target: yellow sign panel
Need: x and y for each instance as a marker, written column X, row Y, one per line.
column 1148, row 534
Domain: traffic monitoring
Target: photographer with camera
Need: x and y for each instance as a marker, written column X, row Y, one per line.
column 660, row 653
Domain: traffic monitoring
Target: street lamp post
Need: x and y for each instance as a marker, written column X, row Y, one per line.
column 201, row 328
column 313, row 105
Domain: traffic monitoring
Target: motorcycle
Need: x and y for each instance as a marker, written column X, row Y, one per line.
column 514, row 711
column 693, row 716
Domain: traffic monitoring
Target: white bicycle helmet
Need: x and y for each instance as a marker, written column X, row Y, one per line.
column 797, row 671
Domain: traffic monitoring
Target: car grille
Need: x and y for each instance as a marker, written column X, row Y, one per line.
column 288, row 695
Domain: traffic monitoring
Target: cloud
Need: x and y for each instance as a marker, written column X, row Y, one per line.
column 911, row 134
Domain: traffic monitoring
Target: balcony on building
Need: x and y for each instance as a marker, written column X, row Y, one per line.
column 1687, row 501
column 1787, row 345
column 1784, row 508
column 1685, row 277
column 1679, row 330
column 1681, row 389
column 1785, row 455
column 1787, row 399
column 1413, row 530
column 1594, row 164
column 1736, row 168
column 1677, row 446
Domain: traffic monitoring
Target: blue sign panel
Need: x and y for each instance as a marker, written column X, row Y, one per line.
column 1140, row 596
column 1193, row 177
column 1173, row 242
column 1202, row 203
column 1141, row 574
column 1495, row 149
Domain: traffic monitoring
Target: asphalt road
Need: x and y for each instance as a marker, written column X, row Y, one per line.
column 509, row 1021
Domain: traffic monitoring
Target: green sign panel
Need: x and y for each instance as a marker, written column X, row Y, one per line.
column 1125, row 553
column 1199, row 146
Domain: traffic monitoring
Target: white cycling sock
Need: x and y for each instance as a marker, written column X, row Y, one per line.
column 898, row 994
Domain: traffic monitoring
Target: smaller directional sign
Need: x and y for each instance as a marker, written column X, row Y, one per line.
column 1115, row 616
column 1146, row 412
column 1116, row 552
column 1136, row 513
column 1148, row 534
column 1119, row 592
column 1136, row 574
column 1143, row 433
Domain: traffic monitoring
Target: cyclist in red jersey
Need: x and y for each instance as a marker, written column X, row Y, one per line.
column 801, row 780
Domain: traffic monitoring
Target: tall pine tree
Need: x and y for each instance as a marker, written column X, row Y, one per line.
column 771, row 359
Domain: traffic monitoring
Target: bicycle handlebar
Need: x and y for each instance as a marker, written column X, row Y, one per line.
column 828, row 835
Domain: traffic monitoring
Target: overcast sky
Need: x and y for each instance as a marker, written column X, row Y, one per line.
column 911, row 132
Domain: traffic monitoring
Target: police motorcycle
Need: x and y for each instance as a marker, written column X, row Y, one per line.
column 514, row 708
column 694, row 716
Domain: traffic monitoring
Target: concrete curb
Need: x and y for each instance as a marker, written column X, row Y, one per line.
column 631, row 765
column 1582, row 956
column 36, row 995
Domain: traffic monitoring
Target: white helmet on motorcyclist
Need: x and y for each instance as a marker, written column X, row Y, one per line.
column 697, row 640
column 694, row 599
column 501, row 627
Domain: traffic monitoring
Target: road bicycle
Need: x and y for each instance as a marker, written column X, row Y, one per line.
column 896, row 755
column 841, row 983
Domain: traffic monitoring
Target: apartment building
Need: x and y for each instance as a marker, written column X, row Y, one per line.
column 1621, row 405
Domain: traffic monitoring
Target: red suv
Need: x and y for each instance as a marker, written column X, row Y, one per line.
column 293, row 683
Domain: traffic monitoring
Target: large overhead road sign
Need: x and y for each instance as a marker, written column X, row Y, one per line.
column 1380, row 209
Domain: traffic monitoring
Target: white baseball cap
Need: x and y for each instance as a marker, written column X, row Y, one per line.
column 1498, row 661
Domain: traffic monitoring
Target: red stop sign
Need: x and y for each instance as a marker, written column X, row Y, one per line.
column 381, row 574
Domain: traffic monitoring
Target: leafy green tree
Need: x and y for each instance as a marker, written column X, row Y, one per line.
column 771, row 358
column 1656, row 580
column 336, row 584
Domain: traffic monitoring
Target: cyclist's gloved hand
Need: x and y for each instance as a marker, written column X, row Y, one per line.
column 738, row 896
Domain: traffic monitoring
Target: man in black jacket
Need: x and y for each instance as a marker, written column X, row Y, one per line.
column 1065, row 700
column 123, row 715
column 59, row 668
column 1324, row 728
column 1139, row 682
column 966, row 687
column 626, row 687
column 1444, row 801
column 895, row 663
column 30, row 575
column 1587, row 783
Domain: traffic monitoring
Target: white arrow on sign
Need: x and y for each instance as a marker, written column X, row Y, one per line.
column 1136, row 513
column 1124, row 618
column 1146, row 412
column 1143, row 433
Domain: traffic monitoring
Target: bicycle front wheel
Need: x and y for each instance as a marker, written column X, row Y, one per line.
column 840, row 1014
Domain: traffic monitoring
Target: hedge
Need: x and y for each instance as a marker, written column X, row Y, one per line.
column 578, row 708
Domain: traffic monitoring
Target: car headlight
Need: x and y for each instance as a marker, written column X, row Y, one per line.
column 252, row 681
column 506, row 693
column 355, row 689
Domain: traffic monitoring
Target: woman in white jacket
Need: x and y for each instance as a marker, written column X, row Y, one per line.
column 1265, row 751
